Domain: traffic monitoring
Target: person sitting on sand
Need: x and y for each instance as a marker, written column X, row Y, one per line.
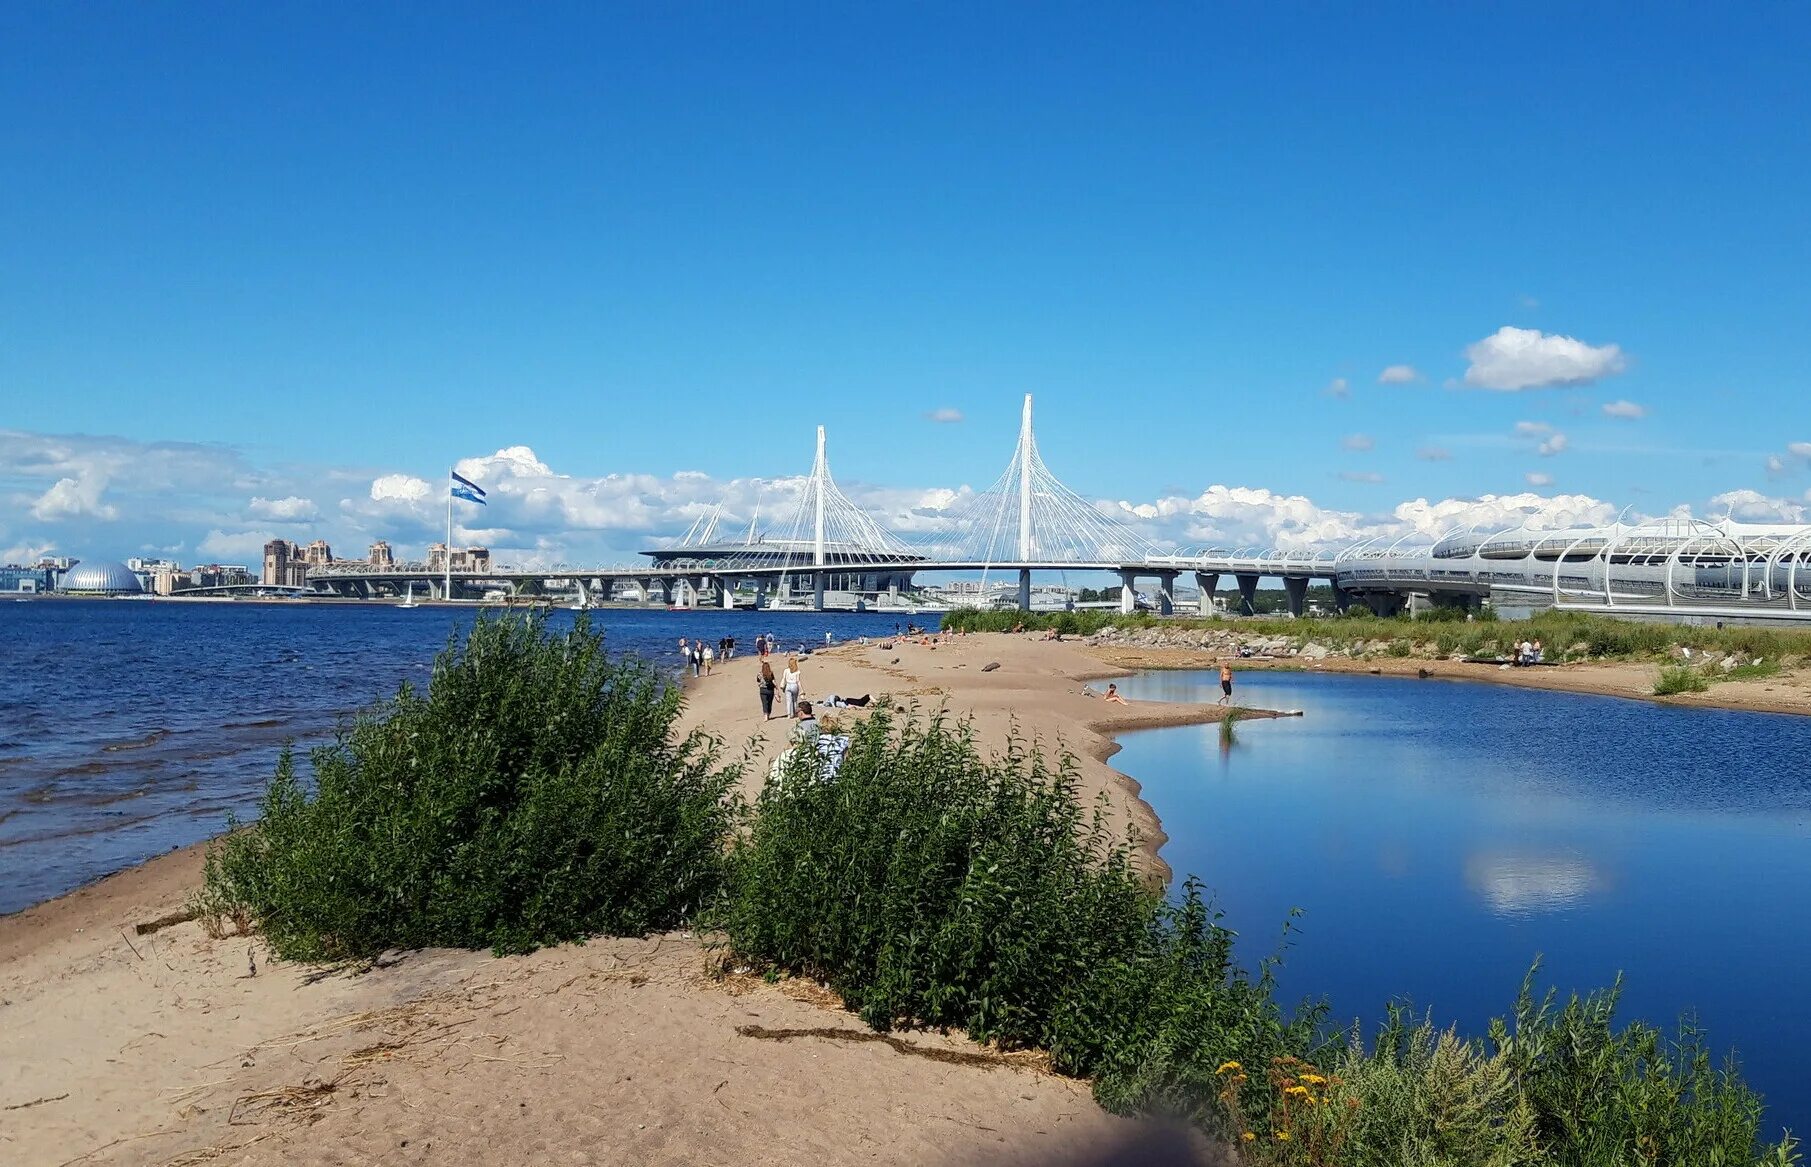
column 805, row 729
column 1113, row 694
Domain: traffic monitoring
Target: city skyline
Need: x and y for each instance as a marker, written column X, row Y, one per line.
column 269, row 279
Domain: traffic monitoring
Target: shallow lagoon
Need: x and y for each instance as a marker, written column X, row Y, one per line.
column 1439, row 835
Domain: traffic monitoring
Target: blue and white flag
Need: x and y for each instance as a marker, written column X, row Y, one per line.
column 468, row 490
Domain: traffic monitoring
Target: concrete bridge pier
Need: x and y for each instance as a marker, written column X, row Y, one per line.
column 726, row 592
column 1209, row 583
column 817, row 591
column 1342, row 599
column 1248, row 594
column 1166, row 593
column 1128, row 592
column 1295, row 588
column 760, row 594
column 1024, row 589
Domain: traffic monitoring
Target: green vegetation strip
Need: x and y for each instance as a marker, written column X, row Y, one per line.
column 540, row 792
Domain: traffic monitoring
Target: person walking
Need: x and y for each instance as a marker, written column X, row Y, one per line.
column 697, row 658
column 1225, row 684
column 789, row 680
column 766, row 685
column 710, row 657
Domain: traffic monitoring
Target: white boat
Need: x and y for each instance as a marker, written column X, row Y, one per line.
column 410, row 602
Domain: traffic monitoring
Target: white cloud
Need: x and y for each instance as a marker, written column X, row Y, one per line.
column 1532, row 429
column 1776, row 465
column 1799, row 449
column 944, row 416
column 1434, row 454
column 75, row 498
column 1755, row 507
column 1536, row 478
column 1627, row 410
column 1366, row 476
column 1338, row 387
column 511, row 462
column 1398, row 375
column 1525, row 358
column 1359, row 442
column 1553, row 445
column 294, row 509
column 399, row 488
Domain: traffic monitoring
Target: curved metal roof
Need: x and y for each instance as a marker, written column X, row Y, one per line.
column 103, row 578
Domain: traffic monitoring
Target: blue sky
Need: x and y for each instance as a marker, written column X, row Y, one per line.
column 282, row 253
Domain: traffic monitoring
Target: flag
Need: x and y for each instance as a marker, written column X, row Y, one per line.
column 468, row 490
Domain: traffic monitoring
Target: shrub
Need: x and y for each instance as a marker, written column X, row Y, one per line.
column 537, row 793
column 930, row 886
column 1679, row 679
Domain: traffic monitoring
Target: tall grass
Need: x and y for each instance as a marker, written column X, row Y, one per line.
column 538, row 792
column 1680, row 679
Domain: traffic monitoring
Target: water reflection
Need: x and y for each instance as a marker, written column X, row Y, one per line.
column 1527, row 885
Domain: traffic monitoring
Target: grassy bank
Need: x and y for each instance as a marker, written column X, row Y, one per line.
column 539, row 792
column 1564, row 635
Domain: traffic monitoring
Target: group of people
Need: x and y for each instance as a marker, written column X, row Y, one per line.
column 701, row 656
column 1529, row 652
column 769, row 685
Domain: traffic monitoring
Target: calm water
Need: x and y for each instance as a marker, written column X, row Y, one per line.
column 129, row 727
column 1438, row 836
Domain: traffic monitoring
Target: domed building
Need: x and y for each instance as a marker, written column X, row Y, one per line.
column 100, row 578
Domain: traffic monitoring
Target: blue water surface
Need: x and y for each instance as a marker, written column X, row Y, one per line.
column 1439, row 836
column 128, row 727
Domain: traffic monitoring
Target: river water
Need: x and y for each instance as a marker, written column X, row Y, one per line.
column 129, row 727
column 1438, row 836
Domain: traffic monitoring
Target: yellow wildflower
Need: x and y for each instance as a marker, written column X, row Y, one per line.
column 1228, row 1067
column 1314, row 1079
column 1247, row 1137
column 1298, row 1091
column 1282, row 1136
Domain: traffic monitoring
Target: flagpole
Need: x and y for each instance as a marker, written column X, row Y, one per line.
column 448, row 560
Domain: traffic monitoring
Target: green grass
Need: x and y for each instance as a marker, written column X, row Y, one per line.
column 1564, row 635
column 540, row 792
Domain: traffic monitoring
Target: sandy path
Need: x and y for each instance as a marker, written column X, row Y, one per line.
column 169, row 1048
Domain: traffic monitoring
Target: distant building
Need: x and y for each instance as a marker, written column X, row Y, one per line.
column 380, row 555
column 464, row 558
column 18, row 578
column 284, row 564
column 318, row 554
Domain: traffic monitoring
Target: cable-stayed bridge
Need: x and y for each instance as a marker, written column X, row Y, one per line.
column 827, row 551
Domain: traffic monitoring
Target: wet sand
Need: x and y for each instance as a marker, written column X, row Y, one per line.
column 171, row 1047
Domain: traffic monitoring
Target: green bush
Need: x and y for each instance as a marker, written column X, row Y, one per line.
column 539, row 792
column 1081, row 623
column 930, row 886
column 1680, row 679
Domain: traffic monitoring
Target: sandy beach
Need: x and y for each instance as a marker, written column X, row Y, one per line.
column 129, row 1037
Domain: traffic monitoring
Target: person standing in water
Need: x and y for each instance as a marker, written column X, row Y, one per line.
column 789, row 681
column 1225, row 684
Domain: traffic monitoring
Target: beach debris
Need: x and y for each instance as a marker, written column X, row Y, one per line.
column 990, row 666
column 162, row 922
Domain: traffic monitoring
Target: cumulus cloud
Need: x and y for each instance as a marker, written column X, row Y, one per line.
column 1776, row 465
column 1398, row 375
column 1434, row 454
column 75, row 498
column 1627, row 410
column 1512, row 359
column 1553, row 445
column 1536, row 478
column 1368, row 476
column 1358, row 442
column 1799, row 449
column 1532, row 429
column 1338, row 387
column 246, row 547
column 944, row 416
column 1754, row 507
column 293, row 509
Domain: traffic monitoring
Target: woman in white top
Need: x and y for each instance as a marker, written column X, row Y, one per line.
column 710, row 656
column 789, row 681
